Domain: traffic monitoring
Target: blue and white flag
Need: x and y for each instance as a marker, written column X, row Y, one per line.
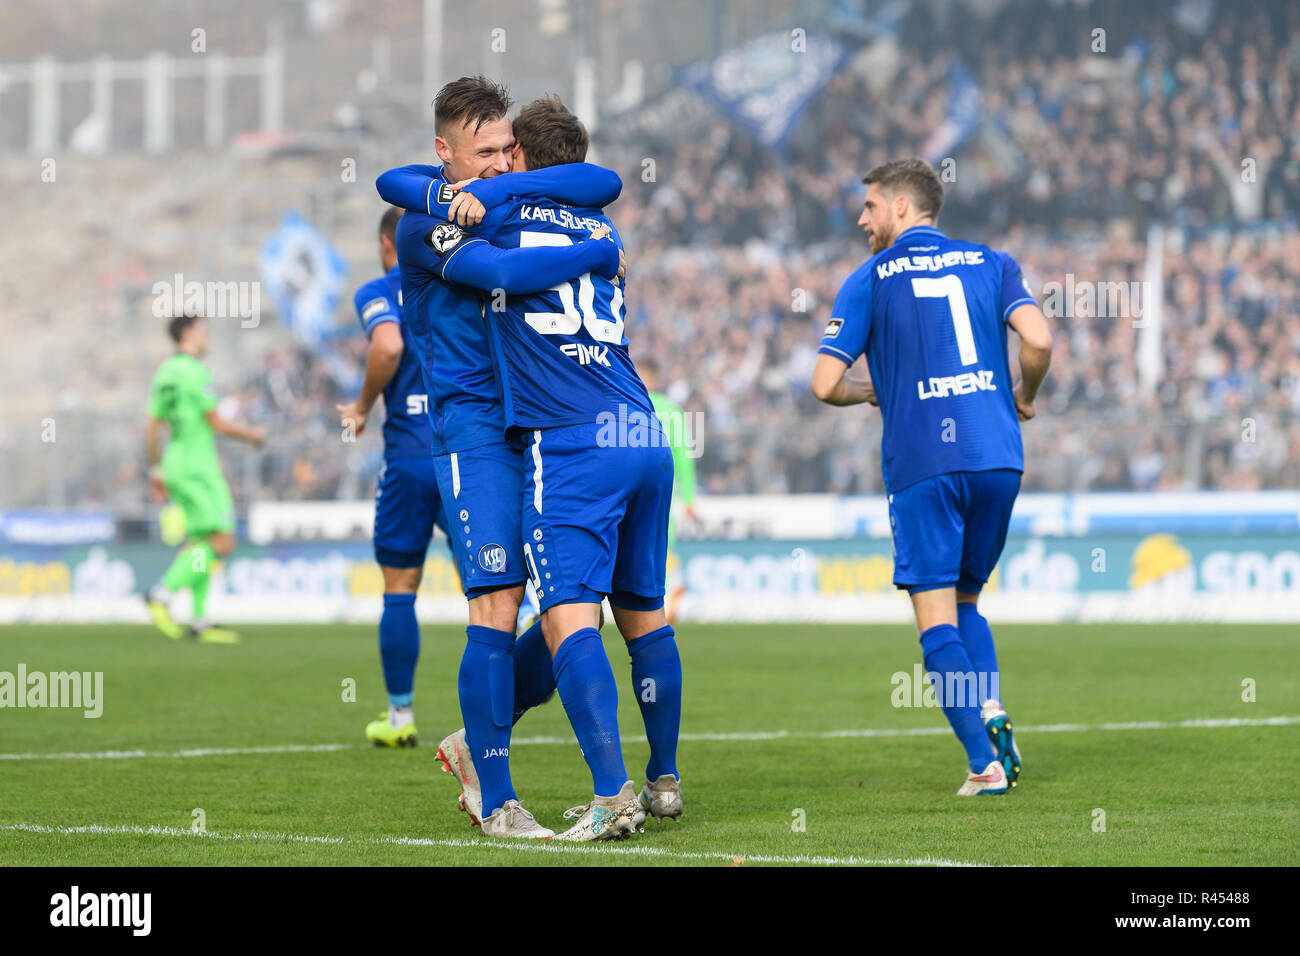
column 766, row 84
column 305, row 277
column 961, row 119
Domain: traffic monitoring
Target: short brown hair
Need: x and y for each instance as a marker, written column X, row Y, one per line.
column 915, row 177
column 471, row 99
column 549, row 134
column 388, row 222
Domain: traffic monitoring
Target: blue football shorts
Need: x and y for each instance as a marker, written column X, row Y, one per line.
column 407, row 507
column 595, row 517
column 480, row 495
column 949, row 530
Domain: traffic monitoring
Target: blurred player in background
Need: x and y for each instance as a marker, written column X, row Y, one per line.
column 673, row 418
column 182, row 398
column 407, row 503
column 931, row 313
column 479, row 475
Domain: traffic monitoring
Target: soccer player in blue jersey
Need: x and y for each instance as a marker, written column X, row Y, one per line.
column 407, row 504
column 479, row 475
column 930, row 314
column 598, row 483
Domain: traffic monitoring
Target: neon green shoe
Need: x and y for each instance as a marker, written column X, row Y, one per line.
column 214, row 634
column 162, row 618
column 382, row 733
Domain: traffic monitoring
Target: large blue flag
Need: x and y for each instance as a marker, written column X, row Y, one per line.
column 304, row 275
column 766, row 84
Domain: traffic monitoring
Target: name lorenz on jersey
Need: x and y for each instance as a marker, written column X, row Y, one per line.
column 930, row 314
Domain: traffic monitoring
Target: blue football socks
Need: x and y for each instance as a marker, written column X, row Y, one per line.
column 954, row 679
column 487, row 692
column 590, row 697
column 399, row 647
column 534, row 675
column 657, row 683
column 977, row 638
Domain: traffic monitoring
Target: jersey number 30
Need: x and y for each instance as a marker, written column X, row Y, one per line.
column 570, row 320
column 949, row 287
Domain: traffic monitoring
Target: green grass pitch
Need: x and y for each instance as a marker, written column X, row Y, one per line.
column 767, row 777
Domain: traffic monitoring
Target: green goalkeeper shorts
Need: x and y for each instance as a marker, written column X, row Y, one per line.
column 205, row 498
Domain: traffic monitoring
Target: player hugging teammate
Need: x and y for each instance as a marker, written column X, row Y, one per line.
column 930, row 314
column 514, row 297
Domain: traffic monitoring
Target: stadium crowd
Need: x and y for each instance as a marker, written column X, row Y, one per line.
column 736, row 252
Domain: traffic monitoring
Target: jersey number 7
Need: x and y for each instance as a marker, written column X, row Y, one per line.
column 570, row 320
column 949, row 287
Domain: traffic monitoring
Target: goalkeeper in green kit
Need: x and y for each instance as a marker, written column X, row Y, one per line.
column 673, row 418
column 183, row 399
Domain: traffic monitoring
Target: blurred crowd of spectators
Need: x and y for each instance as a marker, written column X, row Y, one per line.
column 1194, row 126
column 1189, row 119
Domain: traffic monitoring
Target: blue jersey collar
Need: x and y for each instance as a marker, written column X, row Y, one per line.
column 920, row 231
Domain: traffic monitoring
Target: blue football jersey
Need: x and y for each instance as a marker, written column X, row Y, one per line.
column 445, row 316
column 930, row 314
column 563, row 352
column 407, row 431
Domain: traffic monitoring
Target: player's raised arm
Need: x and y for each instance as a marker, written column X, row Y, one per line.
column 530, row 268
column 572, row 184
column 420, row 188
column 1035, row 354
column 413, row 187
column 447, row 251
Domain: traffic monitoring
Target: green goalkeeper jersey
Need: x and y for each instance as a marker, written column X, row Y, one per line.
column 672, row 417
column 182, row 394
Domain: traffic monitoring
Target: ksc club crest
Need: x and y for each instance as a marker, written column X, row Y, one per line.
column 443, row 237
column 492, row 558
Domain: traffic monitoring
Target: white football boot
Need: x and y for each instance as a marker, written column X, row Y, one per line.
column 455, row 756
column 512, row 820
column 663, row 798
column 998, row 726
column 605, row 818
column 992, row 781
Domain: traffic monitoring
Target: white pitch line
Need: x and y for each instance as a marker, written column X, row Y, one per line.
column 1198, row 723
column 189, row 752
column 512, row 846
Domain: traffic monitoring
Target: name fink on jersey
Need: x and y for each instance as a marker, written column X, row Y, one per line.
column 587, row 354
column 963, row 384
